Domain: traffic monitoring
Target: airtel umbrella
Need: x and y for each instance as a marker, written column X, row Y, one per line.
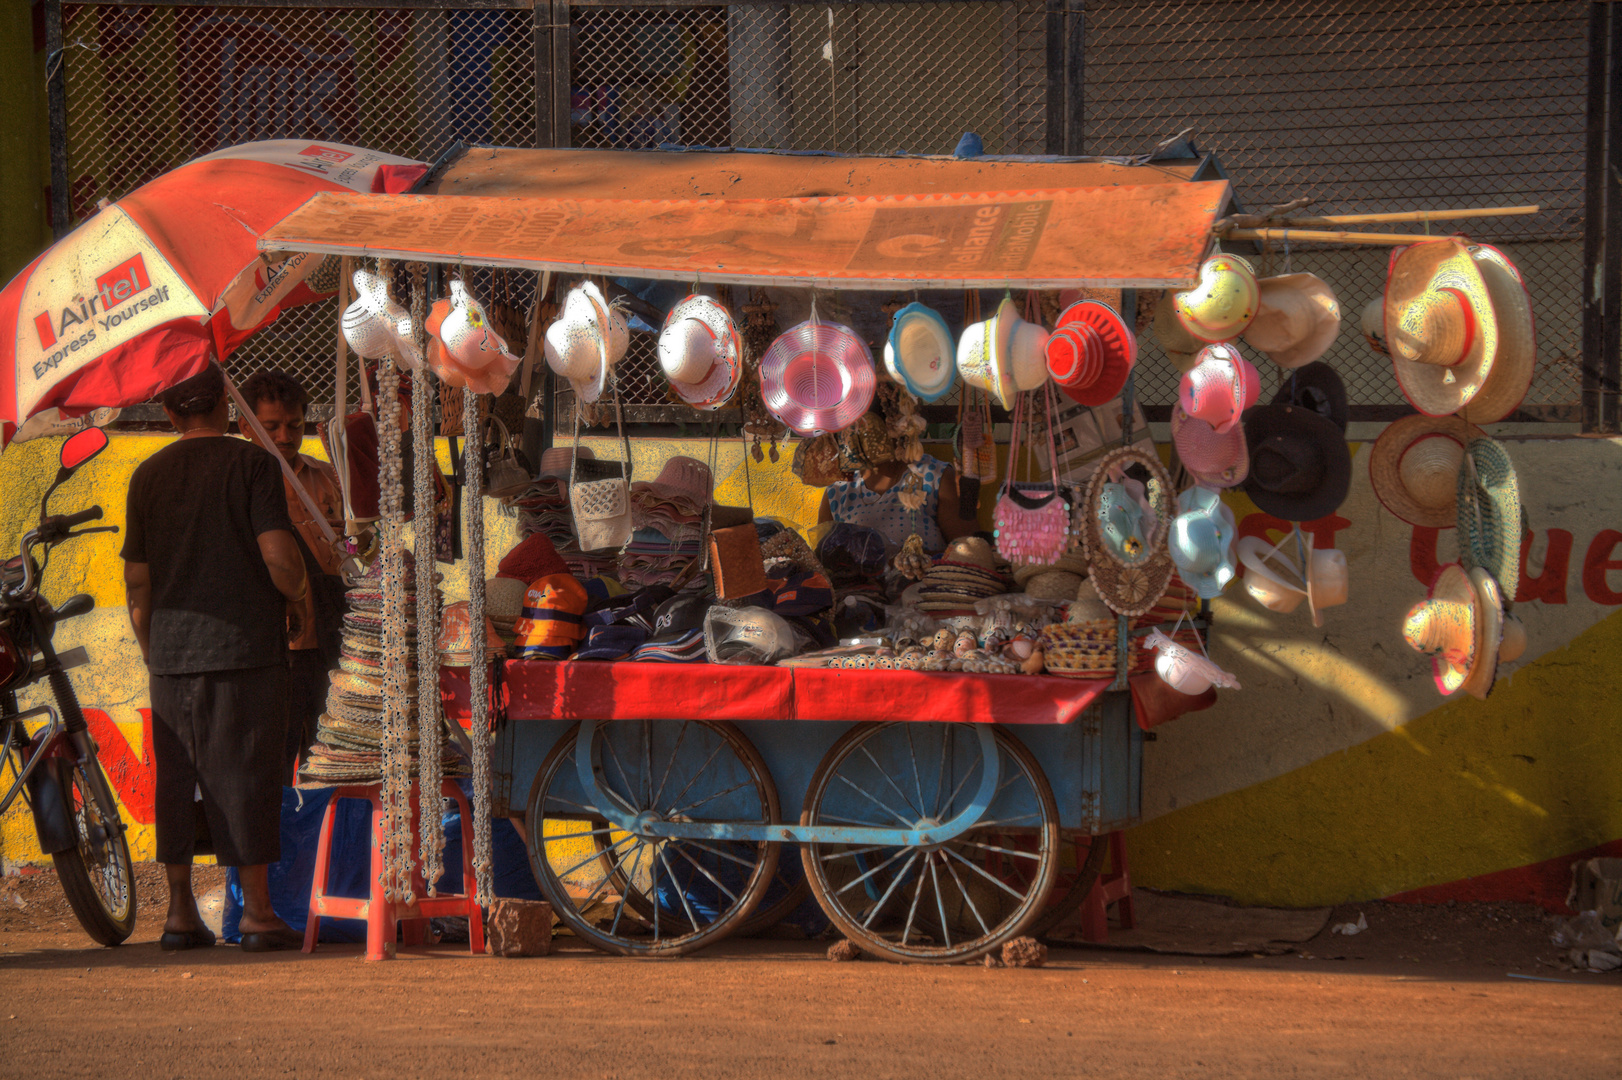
column 146, row 292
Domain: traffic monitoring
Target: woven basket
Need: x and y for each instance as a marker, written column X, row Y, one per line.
column 1084, row 650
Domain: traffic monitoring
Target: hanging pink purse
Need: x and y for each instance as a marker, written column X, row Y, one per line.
column 1032, row 520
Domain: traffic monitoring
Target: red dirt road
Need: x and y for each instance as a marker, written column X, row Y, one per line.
column 753, row 1009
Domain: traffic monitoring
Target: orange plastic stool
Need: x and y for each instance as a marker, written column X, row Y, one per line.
column 1114, row 887
column 383, row 916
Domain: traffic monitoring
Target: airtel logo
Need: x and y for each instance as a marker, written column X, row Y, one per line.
column 126, row 280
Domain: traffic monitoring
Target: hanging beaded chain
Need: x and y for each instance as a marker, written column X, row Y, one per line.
column 396, row 790
column 430, row 736
column 478, row 673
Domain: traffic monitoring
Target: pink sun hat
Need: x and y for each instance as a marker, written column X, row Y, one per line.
column 1220, row 386
column 1215, row 461
column 817, row 378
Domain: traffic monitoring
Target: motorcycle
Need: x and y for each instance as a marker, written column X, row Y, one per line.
column 75, row 814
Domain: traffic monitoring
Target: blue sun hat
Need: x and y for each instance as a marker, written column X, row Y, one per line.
column 1201, row 542
column 920, row 353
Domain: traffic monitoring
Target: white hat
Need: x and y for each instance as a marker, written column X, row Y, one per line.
column 1027, row 345
column 1271, row 576
column 700, row 352
column 587, row 341
column 918, row 353
column 1297, row 319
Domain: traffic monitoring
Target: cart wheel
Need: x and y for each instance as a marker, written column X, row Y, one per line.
column 786, row 891
column 637, row 895
column 944, row 903
column 1072, row 883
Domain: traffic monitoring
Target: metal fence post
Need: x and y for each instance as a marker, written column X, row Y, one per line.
column 1067, row 76
column 1602, row 233
column 545, row 114
column 56, row 88
column 562, row 75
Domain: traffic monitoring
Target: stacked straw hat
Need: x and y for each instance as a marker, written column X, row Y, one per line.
column 967, row 572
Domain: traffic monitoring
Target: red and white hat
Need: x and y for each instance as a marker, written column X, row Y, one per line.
column 1091, row 352
column 1215, row 461
column 700, row 352
column 1219, row 387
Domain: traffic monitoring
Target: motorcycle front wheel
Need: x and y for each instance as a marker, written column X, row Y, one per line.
column 96, row 873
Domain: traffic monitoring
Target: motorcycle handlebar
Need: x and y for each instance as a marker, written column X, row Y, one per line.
column 50, row 531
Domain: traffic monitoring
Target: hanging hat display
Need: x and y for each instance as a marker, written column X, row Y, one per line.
column 1328, row 580
column 1183, row 669
column 1440, row 326
column 817, row 377
column 1511, row 374
column 1201, row 542
column 1224, row 302
column 376, row 326
column 1127, row 517
column 1177, row 343
column 1373, row 325
column 1026, row 344
column 700, row 352
column 1271, row 576
column 1414, row 469
column 1215, row 461
column 919, row 353
column 1219, row 387
column 1318, row 387
column 1489, row 514
column 587, row 341
column 1300, row 465
column 1297, row 319
column 1091, row 352
column 1459, row 625
column 983, row 364
column 464, row 348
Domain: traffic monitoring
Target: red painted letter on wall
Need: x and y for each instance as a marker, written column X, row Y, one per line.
column 1549, row 586
column 130, row 775
column 1422, row 554
column 1597, row 563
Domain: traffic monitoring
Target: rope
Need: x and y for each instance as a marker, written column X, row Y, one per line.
column 479, row 673
column 396, row 788
column 430, row 756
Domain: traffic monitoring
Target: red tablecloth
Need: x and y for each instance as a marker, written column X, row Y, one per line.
column 568, row 690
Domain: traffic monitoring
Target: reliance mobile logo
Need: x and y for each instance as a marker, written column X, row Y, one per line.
column 119, row 286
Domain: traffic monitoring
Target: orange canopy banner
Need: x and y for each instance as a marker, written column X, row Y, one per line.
column 1128, row 236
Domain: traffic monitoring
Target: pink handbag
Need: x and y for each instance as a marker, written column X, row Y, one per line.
column 1032, row 520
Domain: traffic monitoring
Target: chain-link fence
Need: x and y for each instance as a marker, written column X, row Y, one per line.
column 1363, row 105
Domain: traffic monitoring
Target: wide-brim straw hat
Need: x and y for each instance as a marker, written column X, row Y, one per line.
column 1300, row 465
column 1297, row 319
column 1511, row 374
column 1201, row 542
column 1489, row 514
column 1318, row 387
column 1414, row 468
column 700, row 352
column 1073, row 561
column 1054, row 585
column 1222, row 304
column 1091, row 352
column 919, row 353
column 1129, row 569
column 817, row 378
column 983, row 364
column 1215, row 461
column 1026, row 344
column 1177, row 343
column 1440, row 325
column 1220, row 386
column 1459, row 625
column 685, row 478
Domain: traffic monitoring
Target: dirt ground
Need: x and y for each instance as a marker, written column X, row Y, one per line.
column 1426, row 991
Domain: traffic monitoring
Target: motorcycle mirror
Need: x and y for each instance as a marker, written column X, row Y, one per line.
column 81, row 446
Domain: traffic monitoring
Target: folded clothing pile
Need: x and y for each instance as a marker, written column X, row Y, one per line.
column 667, row 516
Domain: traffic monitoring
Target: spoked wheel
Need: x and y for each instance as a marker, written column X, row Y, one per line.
column 1074, row 880
column 96, row 874
column 637, row 895
column 948, row 902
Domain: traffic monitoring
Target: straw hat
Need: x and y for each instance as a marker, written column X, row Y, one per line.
column 1489, row 514
column 1088, row 607
column 700, row 352
column 455, row 642
column 1177, row 343
column 587, row 341
column 1091, row 352
column 1215, row 461
column 1511, row 374
column 683, row 478
column 1125, row 525
column 1224, row 302
column 1318, row 387
column 1414, row 468
column 919, row 353
column 1219, row 387
column 1300, row 465
column 1026, row 343
column 1053, row 585
column 1271, row 576
column 1440, row 325
column 1459, row 625
column 1073, row 561
column 1297, row 319
column 504, row 600
column 817, row 377
column 983, row 364
column 972, row 550
column 1201, row 542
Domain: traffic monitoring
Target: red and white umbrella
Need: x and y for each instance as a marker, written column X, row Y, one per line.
column 146, row 292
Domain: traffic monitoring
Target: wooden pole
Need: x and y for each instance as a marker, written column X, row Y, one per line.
column 1291, row 221
column 1319, row 236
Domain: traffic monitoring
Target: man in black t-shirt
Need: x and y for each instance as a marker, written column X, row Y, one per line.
column 210, row 564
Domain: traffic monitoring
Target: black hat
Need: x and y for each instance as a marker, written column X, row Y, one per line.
column 1300, row 465
column 680, row 614
column 1316, row 386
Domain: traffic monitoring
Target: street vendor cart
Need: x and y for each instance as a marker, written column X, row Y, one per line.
column 933, row 816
